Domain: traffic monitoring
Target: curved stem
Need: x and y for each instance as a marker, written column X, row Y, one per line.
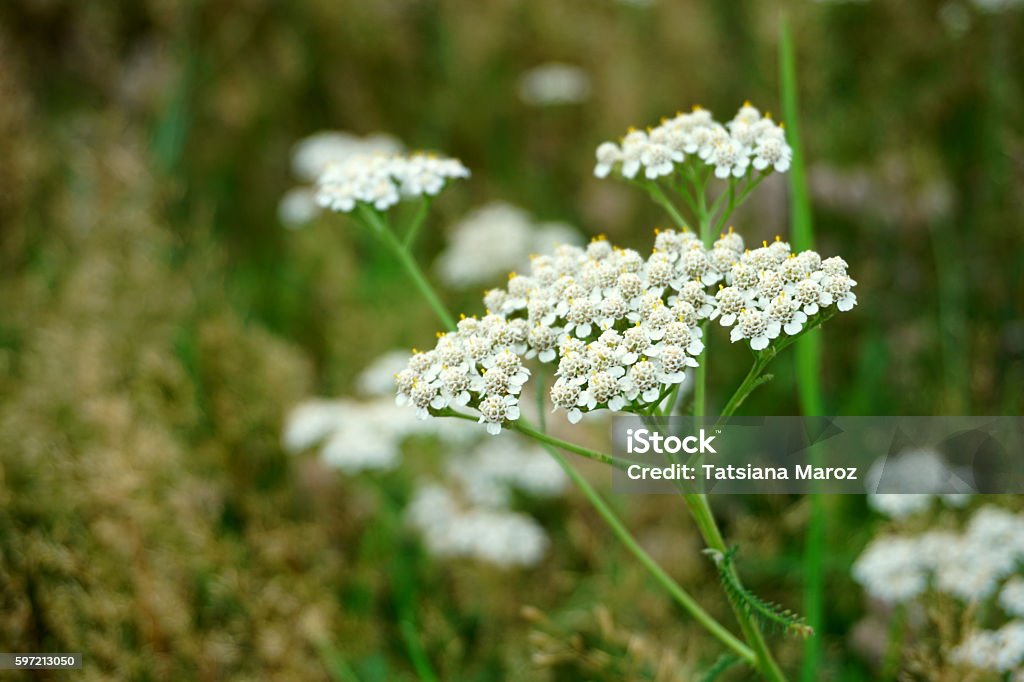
column 749, row 383
column 735, row 202
column 701, row 512
column 525, row 428
column 661, row 199
column 380, row 227
column 552, row 445
column 417, row 222
column 666, row 581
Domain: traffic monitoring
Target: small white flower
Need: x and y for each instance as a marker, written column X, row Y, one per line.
column 608, row 154
column 757, row 327
column 382, row 181
column 498, row 409
column 657, row 160
column 772, row 152
column 633, row 147
column 729, row 158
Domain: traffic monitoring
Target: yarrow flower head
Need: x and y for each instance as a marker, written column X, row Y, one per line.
column 622, row 330
column 749, row 140
column 381, row 180
column 969, row 566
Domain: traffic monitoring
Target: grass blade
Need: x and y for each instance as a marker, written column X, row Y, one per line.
column 808, row 349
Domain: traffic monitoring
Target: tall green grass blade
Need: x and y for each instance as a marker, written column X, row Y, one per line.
column 808, row 349
column 337, row 667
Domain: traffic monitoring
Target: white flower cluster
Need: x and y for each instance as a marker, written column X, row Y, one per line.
column 361, row 435
column 497, row 536
column 312, row 155
column 493, row 239
column 500, row 465
column 918, row 469
column 469, row 515
column 748, row 141
column 381, row 180
column 366, row 433
column 623, row 329
column 999, row 650
column 969, row 566
column 770, row 290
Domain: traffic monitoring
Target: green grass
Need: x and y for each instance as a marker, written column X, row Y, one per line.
column 808, row 349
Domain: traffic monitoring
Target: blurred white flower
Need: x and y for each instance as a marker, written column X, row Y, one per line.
column 494, row 239
column 297, row 207
column 891, row 569
column 378, row 379
column 554, row 83
column 381, row 181
column 923, row 470
column 955, row 18
column 1011, row 598
column 994, row 6
column 999, row 650
column 504, row 538
column 311, row 422
column 312, row 155
column 969, row 566
column 357, row 435
column 498, row 465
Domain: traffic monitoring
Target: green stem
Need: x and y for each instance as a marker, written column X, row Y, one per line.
column 337, row 667
column 552, row 445
column 417, row 222
column 380, row 227
column 671, row 586
column 660, row 198
column 416, row 653
column 735, row 202
column 700, row 378
column 750, row 382
column 702, row 515
column 728, row 195
column 524, row 427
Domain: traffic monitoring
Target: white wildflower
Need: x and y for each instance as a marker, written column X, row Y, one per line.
column 297, row 207
column 494, row 239
column 890, row 569
column 504, row 538
column 312, row 155
column 622, row 331
column 1011, row 598
column 554, row 83
column 381, row 181
column 748, row 141
column 999, row 650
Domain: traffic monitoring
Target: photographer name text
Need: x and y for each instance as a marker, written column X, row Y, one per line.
column 645, row 441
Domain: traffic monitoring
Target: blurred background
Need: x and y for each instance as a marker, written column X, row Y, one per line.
column 164, row 311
